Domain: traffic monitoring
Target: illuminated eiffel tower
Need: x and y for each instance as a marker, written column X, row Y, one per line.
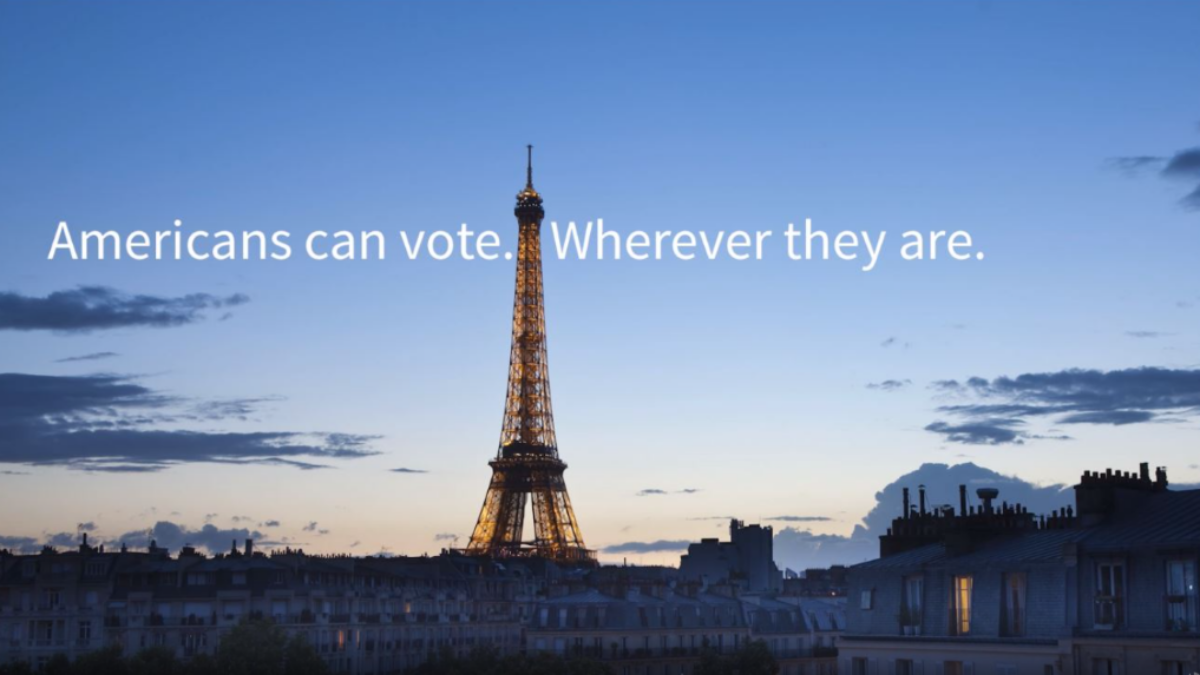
column 527, row 467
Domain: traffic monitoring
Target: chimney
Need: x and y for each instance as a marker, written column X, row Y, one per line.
column 921, row 490
column 233, row 549
column 249, row 547
column 906, row 504
column 962, row 500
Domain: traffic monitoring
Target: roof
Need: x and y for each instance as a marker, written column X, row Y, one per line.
column 1163, row 520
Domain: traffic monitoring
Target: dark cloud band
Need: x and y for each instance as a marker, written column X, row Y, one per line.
column 90, row 308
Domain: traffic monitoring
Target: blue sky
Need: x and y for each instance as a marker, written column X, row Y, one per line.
column 747, row 382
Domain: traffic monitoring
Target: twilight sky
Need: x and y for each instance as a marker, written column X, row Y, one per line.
column 202, row 396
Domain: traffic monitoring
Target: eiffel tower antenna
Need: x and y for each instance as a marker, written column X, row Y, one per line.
column 529, row 169
column 527, row 467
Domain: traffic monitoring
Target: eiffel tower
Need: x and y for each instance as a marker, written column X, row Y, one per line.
column 527, row 467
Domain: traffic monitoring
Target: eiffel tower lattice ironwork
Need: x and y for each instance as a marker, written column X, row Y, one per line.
column 527, row 467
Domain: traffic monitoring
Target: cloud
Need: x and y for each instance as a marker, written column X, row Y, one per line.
column 311, row 527
column 800, row 519
column 888, row 342
column 997, row 411
column 113, row 424
column 89, row 308
column 405, row 469
column 167, row 534
column 269, row 523
column 656, row 492
column 660, row 546
column 226, row 409
column 1136, row 164
column 982, row 432
column 445, row 536
column 1146, row 334
column 89, row 526
column 94, row 356
column 1183, row 165
column 890, row 385
column 23, row 545
column 1114, row 417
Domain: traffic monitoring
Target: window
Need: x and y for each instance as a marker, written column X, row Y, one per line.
column 858, row 666
column 1110, row 592
column 904, row 667
column 914, row 592
column 1176, row 668
column 1181, row 595
column 1014, row 604
column 51, row 597
column 866, row 600
column 961, row 606
column 1105, row 667
column 85, row 632
column 953, row 667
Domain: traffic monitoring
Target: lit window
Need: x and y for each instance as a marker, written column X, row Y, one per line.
column 1110, row 593
column 962, row 605
column 1014, row 603
column 1181, row 595
column 865, row 601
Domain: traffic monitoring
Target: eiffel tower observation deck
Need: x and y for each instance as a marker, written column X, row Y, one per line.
column 527, row 467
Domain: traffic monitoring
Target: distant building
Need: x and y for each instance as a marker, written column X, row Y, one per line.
column 659, row 630
column 747, row 560
column 1107, row 587
column 818, row 583
column 363, row 615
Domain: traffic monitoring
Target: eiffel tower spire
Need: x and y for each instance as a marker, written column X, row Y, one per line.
column 527, row 466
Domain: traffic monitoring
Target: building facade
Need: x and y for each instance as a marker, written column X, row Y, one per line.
column 1104, row 587
column 665, row 631
column 363, row 615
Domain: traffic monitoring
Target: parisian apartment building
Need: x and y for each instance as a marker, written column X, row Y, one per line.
column 1106, row 586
